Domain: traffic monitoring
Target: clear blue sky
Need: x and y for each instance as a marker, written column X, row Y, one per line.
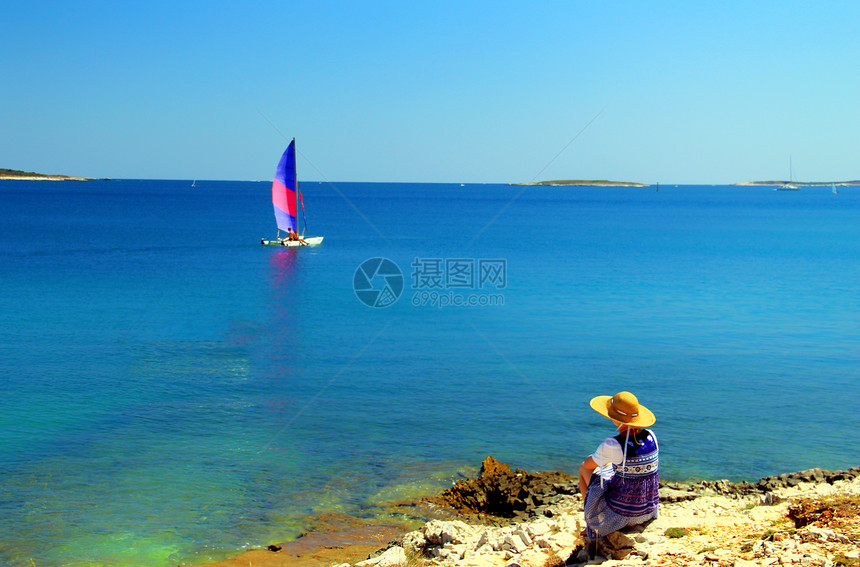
column 484, row 91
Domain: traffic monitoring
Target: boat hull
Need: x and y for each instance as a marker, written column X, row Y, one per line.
column 311, row 241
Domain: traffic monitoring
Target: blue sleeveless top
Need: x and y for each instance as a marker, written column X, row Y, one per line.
column 633, row 490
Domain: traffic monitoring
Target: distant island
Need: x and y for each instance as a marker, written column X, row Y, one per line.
column 14, row 174
column 798, row 183
column 586, row 183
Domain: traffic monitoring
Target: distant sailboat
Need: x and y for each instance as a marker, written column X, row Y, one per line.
column 834, row 189
column 285, row 189
column 194, row 183
column 790, row 186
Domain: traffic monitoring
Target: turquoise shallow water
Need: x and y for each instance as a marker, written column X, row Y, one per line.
column 174, row 391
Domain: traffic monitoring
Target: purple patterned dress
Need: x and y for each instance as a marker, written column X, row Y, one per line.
column 630, row 496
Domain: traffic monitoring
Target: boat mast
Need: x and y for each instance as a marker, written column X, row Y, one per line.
column 298, row 198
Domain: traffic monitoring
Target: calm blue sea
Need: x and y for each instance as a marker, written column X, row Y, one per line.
column 172, row 391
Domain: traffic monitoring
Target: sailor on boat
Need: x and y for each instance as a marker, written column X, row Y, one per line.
column 293, row 235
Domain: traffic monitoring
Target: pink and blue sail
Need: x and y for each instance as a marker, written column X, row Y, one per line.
column 284, row 189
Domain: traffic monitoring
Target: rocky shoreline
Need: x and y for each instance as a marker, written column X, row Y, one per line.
column 41, row 178
column 510, row 517
column 18, row 175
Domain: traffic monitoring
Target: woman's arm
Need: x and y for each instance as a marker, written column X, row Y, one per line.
column 586, row 469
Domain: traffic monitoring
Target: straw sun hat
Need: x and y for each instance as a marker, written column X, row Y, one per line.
column 625, row 408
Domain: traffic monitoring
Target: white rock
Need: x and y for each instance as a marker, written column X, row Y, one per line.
column 766, row 499
column 662, row 548
column 439, row 532
column 852, row 554
column 455, row 551
column 521, row 533
column 414, row 542
column 391, row 557
column 562, row 539
column 813, row 533
column 538, row 528
column 744, row 563
column 483, row 540
column 568, row 524
column 514, row 543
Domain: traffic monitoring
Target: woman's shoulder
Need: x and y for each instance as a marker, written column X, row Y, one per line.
column 609, row 451
column 610, row 444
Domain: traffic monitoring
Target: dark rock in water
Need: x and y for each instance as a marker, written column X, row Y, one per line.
column 492, row 468
column 809, row 475
column 274, row 548
column 674, row 490
column 503, row 493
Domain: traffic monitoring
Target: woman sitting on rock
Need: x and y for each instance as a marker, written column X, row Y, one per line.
column 624, row 490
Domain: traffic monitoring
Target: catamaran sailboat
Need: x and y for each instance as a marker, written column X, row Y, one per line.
column 285, row 188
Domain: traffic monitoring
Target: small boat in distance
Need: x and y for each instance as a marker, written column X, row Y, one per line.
column 285, row 189
column 790, row 186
